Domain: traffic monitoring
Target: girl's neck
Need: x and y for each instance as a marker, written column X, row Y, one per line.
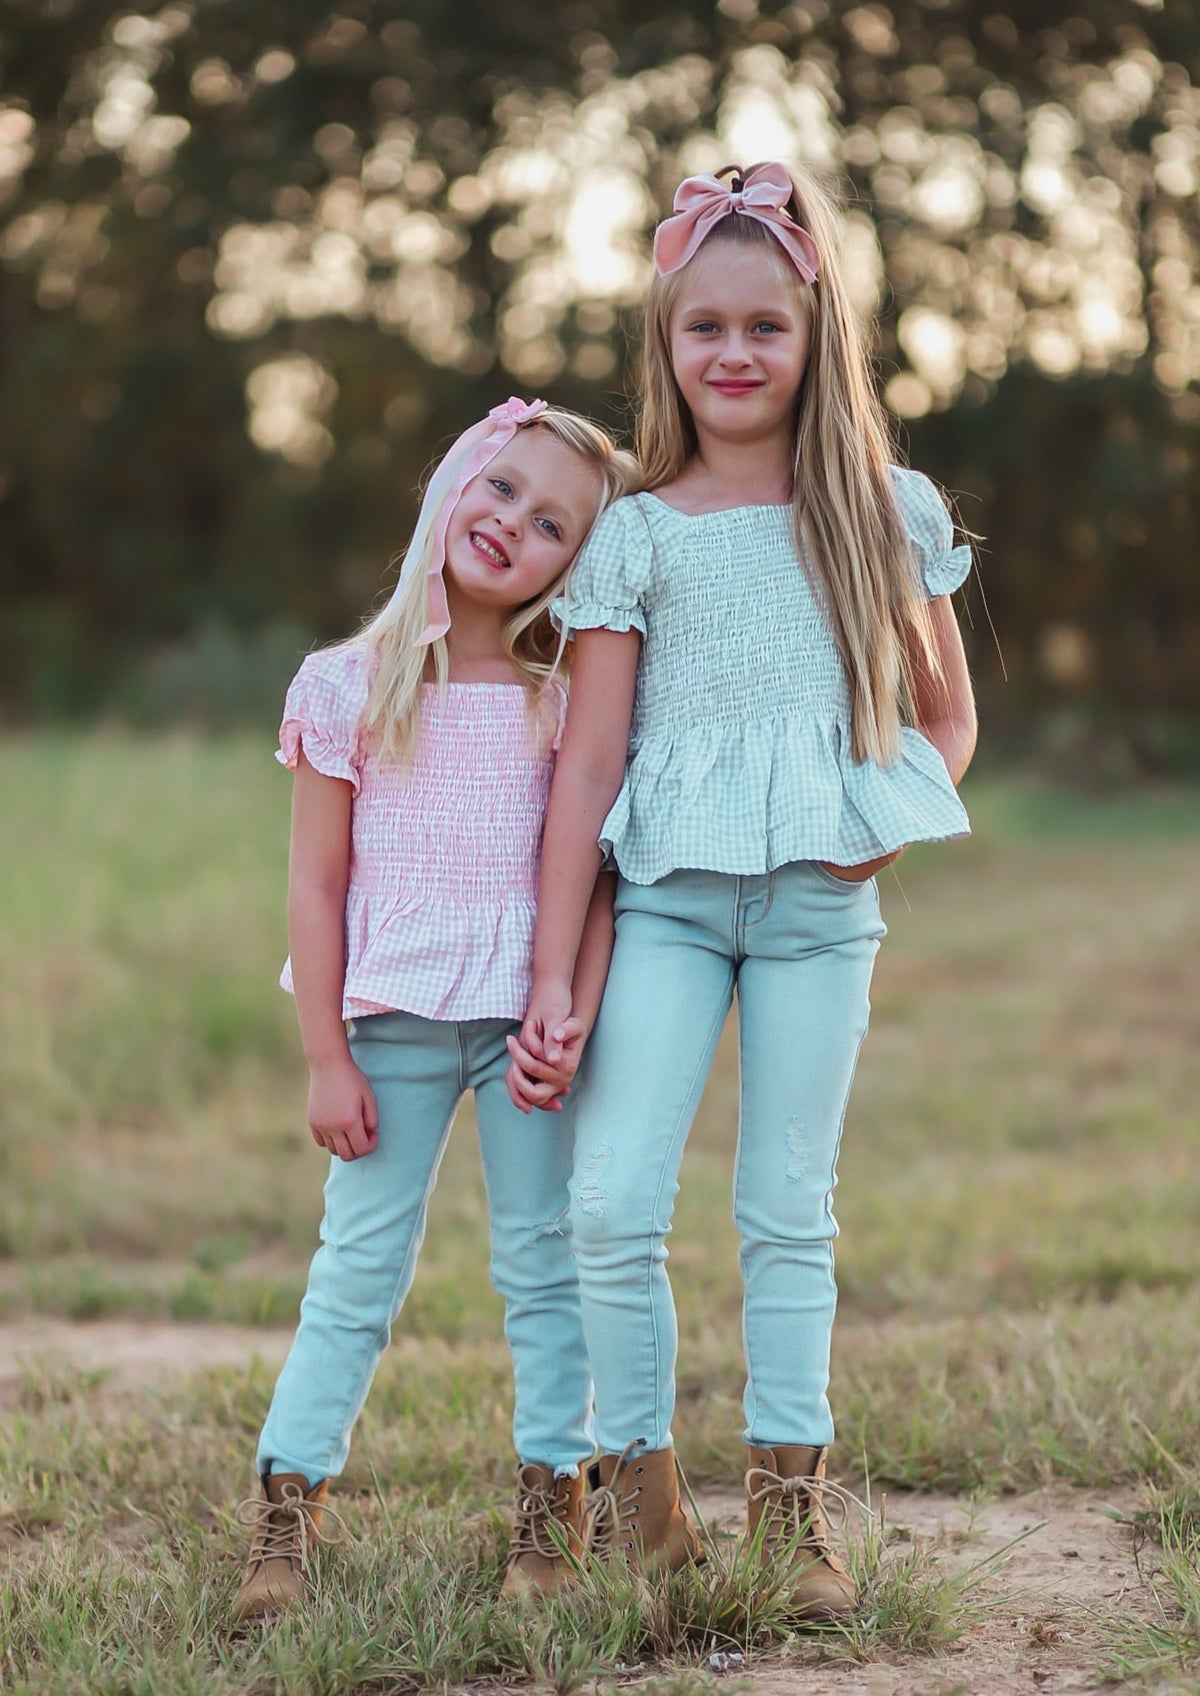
column 475, row 644
column 725, row 474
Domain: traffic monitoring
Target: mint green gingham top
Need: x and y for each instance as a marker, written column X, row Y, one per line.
column 740, row 752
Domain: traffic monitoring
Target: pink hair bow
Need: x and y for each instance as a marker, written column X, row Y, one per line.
column 701, row 202
column 468, row 456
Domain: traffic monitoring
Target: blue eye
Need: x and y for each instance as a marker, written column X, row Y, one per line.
column 768, row 325
column 550, row 527
column 501, row 484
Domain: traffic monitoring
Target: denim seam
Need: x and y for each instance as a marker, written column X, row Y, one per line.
column 768, row 903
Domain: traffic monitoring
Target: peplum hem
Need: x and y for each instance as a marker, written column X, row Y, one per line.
column 447, row 957
column 748, row 798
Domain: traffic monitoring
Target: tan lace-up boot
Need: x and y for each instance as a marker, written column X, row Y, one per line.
column 286, row 1521
column 547, row 1538
column 635, row 1513
column 786, row 1490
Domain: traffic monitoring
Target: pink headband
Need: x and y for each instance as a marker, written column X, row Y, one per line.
column 474, row 449
column 701, row 202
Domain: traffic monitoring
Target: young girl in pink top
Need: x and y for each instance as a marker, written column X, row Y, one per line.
column 423, row 750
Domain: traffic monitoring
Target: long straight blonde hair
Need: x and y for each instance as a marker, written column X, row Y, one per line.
column 392, row 715
column 847, row 527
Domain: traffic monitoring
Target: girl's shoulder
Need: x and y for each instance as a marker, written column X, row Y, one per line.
column 916, row 494
column 323, row 708
column 612, row 573
column 348, row 665
column 930, row 530
column 622, row 520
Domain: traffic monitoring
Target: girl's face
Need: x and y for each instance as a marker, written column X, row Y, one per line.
column 521, row 521
column 739, row 339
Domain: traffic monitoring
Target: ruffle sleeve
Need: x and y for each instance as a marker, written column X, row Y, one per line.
column 930, row 531
column 322, row 712
column 607, row 586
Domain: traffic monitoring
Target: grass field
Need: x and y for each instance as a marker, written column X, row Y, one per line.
column 1019, row 1202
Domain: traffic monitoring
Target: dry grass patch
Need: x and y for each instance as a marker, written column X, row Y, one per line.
column 1018, row 1197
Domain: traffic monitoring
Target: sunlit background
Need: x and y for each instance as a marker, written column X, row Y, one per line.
column 258, row 261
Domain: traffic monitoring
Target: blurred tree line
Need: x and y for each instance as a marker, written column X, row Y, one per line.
column 259, row 261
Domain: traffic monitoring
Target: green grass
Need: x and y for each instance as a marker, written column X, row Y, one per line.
column 122, row 1555
column 1019, row 1193
column 1163, row 1642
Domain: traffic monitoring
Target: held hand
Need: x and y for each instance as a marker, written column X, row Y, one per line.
column 532, row 1081
column 543, row 1030
column 541, row 1048
column 342, row 1112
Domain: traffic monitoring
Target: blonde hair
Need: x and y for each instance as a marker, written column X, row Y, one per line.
column 392, row 712
column 846, row 523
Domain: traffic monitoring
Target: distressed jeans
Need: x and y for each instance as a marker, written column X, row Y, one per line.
column 375, row 1210
column 799, row 947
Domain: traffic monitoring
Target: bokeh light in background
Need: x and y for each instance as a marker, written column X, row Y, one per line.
column 373, row 214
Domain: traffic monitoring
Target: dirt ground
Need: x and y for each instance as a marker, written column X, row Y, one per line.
column 1069, row 1564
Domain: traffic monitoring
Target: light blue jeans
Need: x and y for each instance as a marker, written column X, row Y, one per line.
column 799, row 947
column 375, row 1210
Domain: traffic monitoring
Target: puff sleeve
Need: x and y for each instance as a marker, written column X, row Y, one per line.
column 930, row 531
column 322, row 712
column 609, row 581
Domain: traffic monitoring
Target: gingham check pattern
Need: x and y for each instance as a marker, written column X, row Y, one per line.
column 444, row 862
column 740, row 757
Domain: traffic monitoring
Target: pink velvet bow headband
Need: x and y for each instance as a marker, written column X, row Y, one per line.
column 701, row 202
column 468, row 456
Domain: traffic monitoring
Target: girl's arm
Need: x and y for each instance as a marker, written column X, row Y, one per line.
column 591, row 764
column 595, row 952
column 944, row 706
column 532, row 1082
column 341, row 1104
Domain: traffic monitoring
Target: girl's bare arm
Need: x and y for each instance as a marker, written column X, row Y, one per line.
column 944, row 707
column 341, row 1104
column 944, row 710
column 591, row 764
column 532, row 1080
column 595, row 952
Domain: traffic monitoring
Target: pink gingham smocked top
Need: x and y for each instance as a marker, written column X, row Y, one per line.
column 444, row 857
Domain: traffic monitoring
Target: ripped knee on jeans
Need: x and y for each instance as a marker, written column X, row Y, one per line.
column 798, row 1152
column 590, row 1193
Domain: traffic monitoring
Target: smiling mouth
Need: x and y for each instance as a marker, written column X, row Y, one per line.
column 735, row 386
column 491, row 551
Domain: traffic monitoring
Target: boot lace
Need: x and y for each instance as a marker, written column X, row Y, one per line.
column 611, row 1513
column 798, row 1507
column 539, row 1520
column 284, row 1530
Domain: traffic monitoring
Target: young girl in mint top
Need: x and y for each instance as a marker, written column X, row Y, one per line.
column 423, row 750
column 769, row 701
